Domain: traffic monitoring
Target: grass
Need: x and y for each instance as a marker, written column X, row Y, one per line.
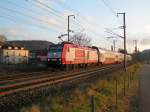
column 134, row 105
column 104, row 93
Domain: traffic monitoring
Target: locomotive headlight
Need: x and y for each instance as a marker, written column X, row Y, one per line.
column 48, row 59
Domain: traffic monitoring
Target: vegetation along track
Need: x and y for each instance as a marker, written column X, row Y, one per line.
column 48, row 81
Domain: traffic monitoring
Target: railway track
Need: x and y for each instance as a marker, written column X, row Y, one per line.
column 17, row 75
column 29, row 76
column 30, row 83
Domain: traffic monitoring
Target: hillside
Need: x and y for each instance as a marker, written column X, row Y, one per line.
column 32, row 45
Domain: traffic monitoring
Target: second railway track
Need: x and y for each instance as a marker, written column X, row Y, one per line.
column 42, row 81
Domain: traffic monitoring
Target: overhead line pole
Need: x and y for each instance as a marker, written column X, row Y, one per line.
column 114, row 41
column 135, row 46
column 124, row 29
column 69, row 26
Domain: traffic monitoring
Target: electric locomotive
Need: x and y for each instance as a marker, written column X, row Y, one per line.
column 67, row 53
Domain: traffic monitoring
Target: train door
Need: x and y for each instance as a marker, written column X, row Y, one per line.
column 70, row 55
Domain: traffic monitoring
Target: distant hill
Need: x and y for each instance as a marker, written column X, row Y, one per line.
column 146, row 54
column 146, row 51
column 31, row 45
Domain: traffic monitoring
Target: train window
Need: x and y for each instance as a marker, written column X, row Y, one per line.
column 55, row 48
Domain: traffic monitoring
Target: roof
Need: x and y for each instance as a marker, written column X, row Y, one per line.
column 2, row 43
column 32, row 45
column 9, row 46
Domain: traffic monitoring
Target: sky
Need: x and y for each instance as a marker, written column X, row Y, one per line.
column 47, row 19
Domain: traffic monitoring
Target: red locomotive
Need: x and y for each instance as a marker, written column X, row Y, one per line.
column 70, row 54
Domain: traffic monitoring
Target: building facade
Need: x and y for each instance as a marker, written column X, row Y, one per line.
column 13, row 54
column 37, row 49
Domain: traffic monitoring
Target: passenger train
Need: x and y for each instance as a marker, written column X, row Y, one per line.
column 70, row 54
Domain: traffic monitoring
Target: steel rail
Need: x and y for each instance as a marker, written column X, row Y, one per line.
column 26, row 77
column 38, row 80
column 29, row 77
column 52, row 81
column 9, row 76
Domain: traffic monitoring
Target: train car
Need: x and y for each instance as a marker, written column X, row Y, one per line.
column 106, row 56
column 70, row 54
column 129, row 58
column 120, row 57
column 67, row 53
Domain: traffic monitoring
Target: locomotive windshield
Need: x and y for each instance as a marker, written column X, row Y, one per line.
column 55, row 48
column 55, row 51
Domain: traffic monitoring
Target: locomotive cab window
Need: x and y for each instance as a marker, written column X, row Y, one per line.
column 55, row 51
column 55, row 48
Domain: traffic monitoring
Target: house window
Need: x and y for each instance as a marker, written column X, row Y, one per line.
column 16, row 48
column 9, row 47
column 6, row 54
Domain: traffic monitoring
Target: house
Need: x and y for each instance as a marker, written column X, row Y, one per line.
column 37, row 49
column 10, row 54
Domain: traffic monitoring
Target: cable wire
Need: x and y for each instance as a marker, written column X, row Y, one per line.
column 25, row 15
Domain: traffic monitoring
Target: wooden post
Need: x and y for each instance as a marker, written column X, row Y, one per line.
column 92, row 103
column 116, row 93
column 124, row 85
column 128, row 80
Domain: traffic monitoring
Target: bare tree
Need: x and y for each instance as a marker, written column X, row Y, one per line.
column 3, row 38
column 81, row 39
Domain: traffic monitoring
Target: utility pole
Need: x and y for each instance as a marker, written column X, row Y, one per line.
column 92, row 104
column 124, row 30
column 114, row 41
column 69, row 25
column 112, row 48
column 135, row 46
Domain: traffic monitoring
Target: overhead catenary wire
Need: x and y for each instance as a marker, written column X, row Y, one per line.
column 33, row 12
column 57, row 12
column 36, row 13
column 113, row 33
column 61, row 18
column 89, row 27
column 8, row 18
column 45, row 5
column 25, row 22
column 50, row 10
column 82, row 19
column 28, row 16
column 111, row 9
